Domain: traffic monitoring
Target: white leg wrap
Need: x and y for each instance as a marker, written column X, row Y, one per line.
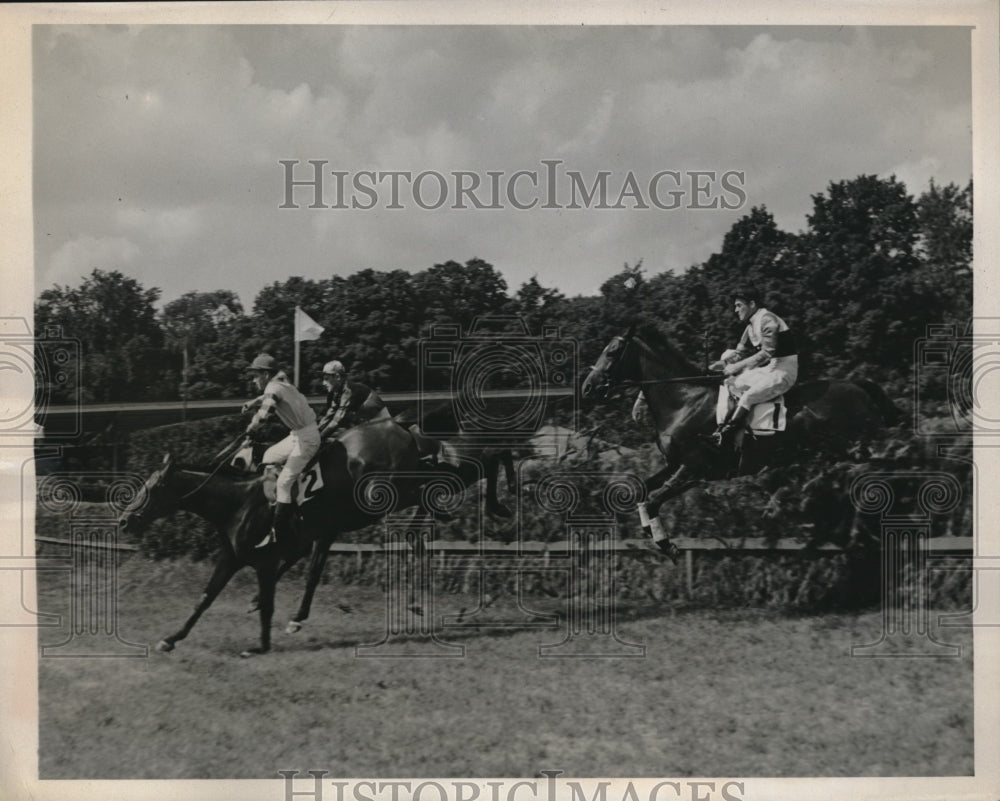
column 656, row 529
column 643, row 514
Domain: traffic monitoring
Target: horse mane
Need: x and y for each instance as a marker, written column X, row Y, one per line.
column 659, row 343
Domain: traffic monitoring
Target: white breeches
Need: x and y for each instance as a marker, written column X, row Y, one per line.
column 294, row 451
column 760, row 384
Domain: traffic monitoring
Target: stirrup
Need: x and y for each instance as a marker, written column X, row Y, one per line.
column 268, row 540
column 715, row 438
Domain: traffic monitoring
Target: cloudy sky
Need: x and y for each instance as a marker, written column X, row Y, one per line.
column 158, row 149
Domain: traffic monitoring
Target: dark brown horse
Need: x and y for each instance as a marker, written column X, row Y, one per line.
column 330, row 504
column 823, row 417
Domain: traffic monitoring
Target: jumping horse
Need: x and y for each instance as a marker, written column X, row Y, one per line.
column 234, row 502
column 823, row 417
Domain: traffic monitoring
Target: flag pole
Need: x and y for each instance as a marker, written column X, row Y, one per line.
column 295, row 339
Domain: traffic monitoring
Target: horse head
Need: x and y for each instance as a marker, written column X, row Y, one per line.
column 607, row 370
column 154, row 500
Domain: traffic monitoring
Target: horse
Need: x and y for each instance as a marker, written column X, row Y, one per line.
column 823, row 417
column 458, row 455
column 235, row 504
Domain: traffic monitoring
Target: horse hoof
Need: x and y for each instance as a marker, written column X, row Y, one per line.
column 293, row 627
column 252, row 652
column 164, row 647
column 417, row 610
column 668, row 549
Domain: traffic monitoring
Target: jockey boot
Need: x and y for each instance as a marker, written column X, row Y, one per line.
column 281, row 526
column 283, row 522
column 729, row 430
column 715, row 438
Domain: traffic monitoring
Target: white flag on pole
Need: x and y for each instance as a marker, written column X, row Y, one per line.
column 306, row 327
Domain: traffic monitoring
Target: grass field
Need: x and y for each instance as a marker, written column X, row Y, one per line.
column 736, row 693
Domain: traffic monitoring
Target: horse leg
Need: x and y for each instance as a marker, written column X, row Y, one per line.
column 680, row 482
column 493, row 506
column 656, row 480
column 510, row 474
column 284, row 567
column 224, row 570
column 677, row 484
column 267, row 579
column 317, row 561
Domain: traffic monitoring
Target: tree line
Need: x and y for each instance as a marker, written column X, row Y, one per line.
column 872, row 270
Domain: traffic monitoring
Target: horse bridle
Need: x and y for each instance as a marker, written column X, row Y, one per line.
column 612, row 381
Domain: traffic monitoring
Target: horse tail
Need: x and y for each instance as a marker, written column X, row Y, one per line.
column 891, row 413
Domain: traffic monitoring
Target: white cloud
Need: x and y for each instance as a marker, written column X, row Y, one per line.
column 167, row 139
column 79, row 257
column 167, row 227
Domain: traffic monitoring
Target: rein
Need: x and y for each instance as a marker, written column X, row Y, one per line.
column 222, row 457
column 688, row 379
column 615, row 383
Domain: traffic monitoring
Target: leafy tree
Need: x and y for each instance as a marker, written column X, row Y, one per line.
column 374, row 324
column 862, row 305
column 537, row 305
column 195, row 327
column 457, row 293
column 121, row 343
column 945, row 249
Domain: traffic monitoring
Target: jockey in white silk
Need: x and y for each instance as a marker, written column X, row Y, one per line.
column 279, row 396
column 762, row 367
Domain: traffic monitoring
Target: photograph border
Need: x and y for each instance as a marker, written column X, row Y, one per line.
column 19, row 646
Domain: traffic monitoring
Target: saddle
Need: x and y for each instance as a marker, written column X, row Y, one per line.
column 309, row 481
column 768, row 418
column 765, row 420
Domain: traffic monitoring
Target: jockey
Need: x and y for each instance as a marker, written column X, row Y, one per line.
column 280, row 396
column 348, row 402
column 763, row 366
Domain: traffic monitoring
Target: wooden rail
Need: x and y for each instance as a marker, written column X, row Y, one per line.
column 689, row 546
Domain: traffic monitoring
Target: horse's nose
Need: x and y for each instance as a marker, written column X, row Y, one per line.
column 124, row 521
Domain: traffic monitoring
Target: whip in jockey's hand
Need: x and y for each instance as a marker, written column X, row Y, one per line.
column 279, row 396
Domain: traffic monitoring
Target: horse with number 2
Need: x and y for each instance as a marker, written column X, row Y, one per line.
column 822, row 419
column 367, row 472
